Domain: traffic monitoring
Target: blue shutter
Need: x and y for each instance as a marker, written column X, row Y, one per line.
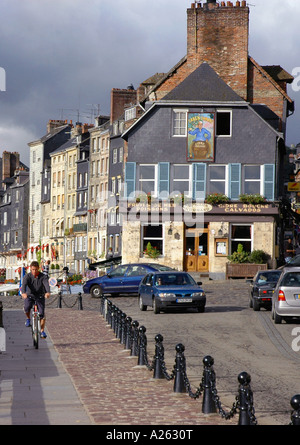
column 269, row 181
column 199, row 181
column 130, row 173
column 164, row 179
column 234, row 189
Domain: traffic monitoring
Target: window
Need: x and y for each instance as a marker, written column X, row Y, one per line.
column 147, row 179
column 154, row 236
column 252, row 184
column 179, row 122
column 115, row 156
column 218, row 179
column 241, row 234
column 130, row 114
column 223, row 123
column 181, row 179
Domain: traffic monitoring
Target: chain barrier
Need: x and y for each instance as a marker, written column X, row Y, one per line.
column 134, row 339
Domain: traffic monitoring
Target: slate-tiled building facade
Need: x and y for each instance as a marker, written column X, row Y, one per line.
column 205, row 131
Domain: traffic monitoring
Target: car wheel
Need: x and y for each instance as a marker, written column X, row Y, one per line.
column 155, row 307
column 142, row 306
column 201, row 309
column 256, row 305
column 277, row 318
column 96, row 292
column 251, row 301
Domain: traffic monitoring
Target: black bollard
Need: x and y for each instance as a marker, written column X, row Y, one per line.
column 142, row 346
column 59, row 305
column 179, row 369
column 159, row 358
column 245, row 400
column 123, row 329
column 1, row 315
column 118, row 330
column 135, row 339
column 208, row 403
column 295, row 404
column 80, row 308
column 128, row 340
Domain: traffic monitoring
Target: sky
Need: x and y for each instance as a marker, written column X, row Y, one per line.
column 59, row 59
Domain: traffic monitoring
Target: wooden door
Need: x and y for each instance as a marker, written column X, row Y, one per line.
column 196, row 250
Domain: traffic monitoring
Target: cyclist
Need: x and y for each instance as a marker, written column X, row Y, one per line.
column 35, row 287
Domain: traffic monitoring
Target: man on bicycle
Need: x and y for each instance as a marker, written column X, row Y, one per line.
column 35, row 288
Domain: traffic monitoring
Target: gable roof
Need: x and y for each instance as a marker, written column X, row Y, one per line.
column 203, row 85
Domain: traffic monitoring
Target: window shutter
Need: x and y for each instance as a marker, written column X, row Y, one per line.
column 164, row 178
column 130, row 174
column 199, row 181
column 234, row 189
column 269, row 181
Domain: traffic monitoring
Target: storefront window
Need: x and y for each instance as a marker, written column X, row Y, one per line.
column 154, row 236
column 241, row 234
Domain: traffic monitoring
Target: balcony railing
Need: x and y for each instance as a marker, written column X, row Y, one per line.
column 80, row 227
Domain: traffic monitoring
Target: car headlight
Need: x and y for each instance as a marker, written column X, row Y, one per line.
column 165, row 295
column 198, row 294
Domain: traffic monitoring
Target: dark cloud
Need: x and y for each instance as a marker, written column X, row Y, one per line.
column 62, row 56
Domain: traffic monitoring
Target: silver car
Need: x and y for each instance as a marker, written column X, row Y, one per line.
column 286, row 298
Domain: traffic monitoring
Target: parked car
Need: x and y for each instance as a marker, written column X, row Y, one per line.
column 294, row 262
column 166, row 290
column 262, row 288
column 286, row 298
column 124, row 279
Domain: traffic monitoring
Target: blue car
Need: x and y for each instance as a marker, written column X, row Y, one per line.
column 124, row 279
column 169, row 290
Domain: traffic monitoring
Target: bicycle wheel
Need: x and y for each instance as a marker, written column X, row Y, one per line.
column 35, row 331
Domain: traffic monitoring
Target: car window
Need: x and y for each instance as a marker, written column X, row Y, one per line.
column 174, row 280
column 118, row 272
column 264, row 277
column 161, row 267
column 150, row 279
column 136, row 271
column 291, row 279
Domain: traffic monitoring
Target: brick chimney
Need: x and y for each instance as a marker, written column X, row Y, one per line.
column 52, row 124
column 10, row 163
column 120, row 99
column 217, row 33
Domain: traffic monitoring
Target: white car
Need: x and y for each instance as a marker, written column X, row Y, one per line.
column 286, row 298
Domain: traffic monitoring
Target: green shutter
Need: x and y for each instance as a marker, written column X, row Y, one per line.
column 199, row 181
column 234, row 189
column 269, row 182
column 130, row 174
column 163, row 179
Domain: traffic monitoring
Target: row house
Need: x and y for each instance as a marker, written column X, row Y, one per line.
column 98, row 188
column 14, row 200
column 58, row 132
column 214, row 125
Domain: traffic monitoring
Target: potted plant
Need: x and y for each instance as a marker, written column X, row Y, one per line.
column 151, row 252
column 245, row 264
column 216, row 198
column 252, row 199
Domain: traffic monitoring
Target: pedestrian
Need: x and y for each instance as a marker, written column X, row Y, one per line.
column 288, row 250
column 46, row 268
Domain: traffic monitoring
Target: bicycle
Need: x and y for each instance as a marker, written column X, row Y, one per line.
column 35, row 325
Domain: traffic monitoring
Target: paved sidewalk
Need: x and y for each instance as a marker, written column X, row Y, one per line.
column 82, row 375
